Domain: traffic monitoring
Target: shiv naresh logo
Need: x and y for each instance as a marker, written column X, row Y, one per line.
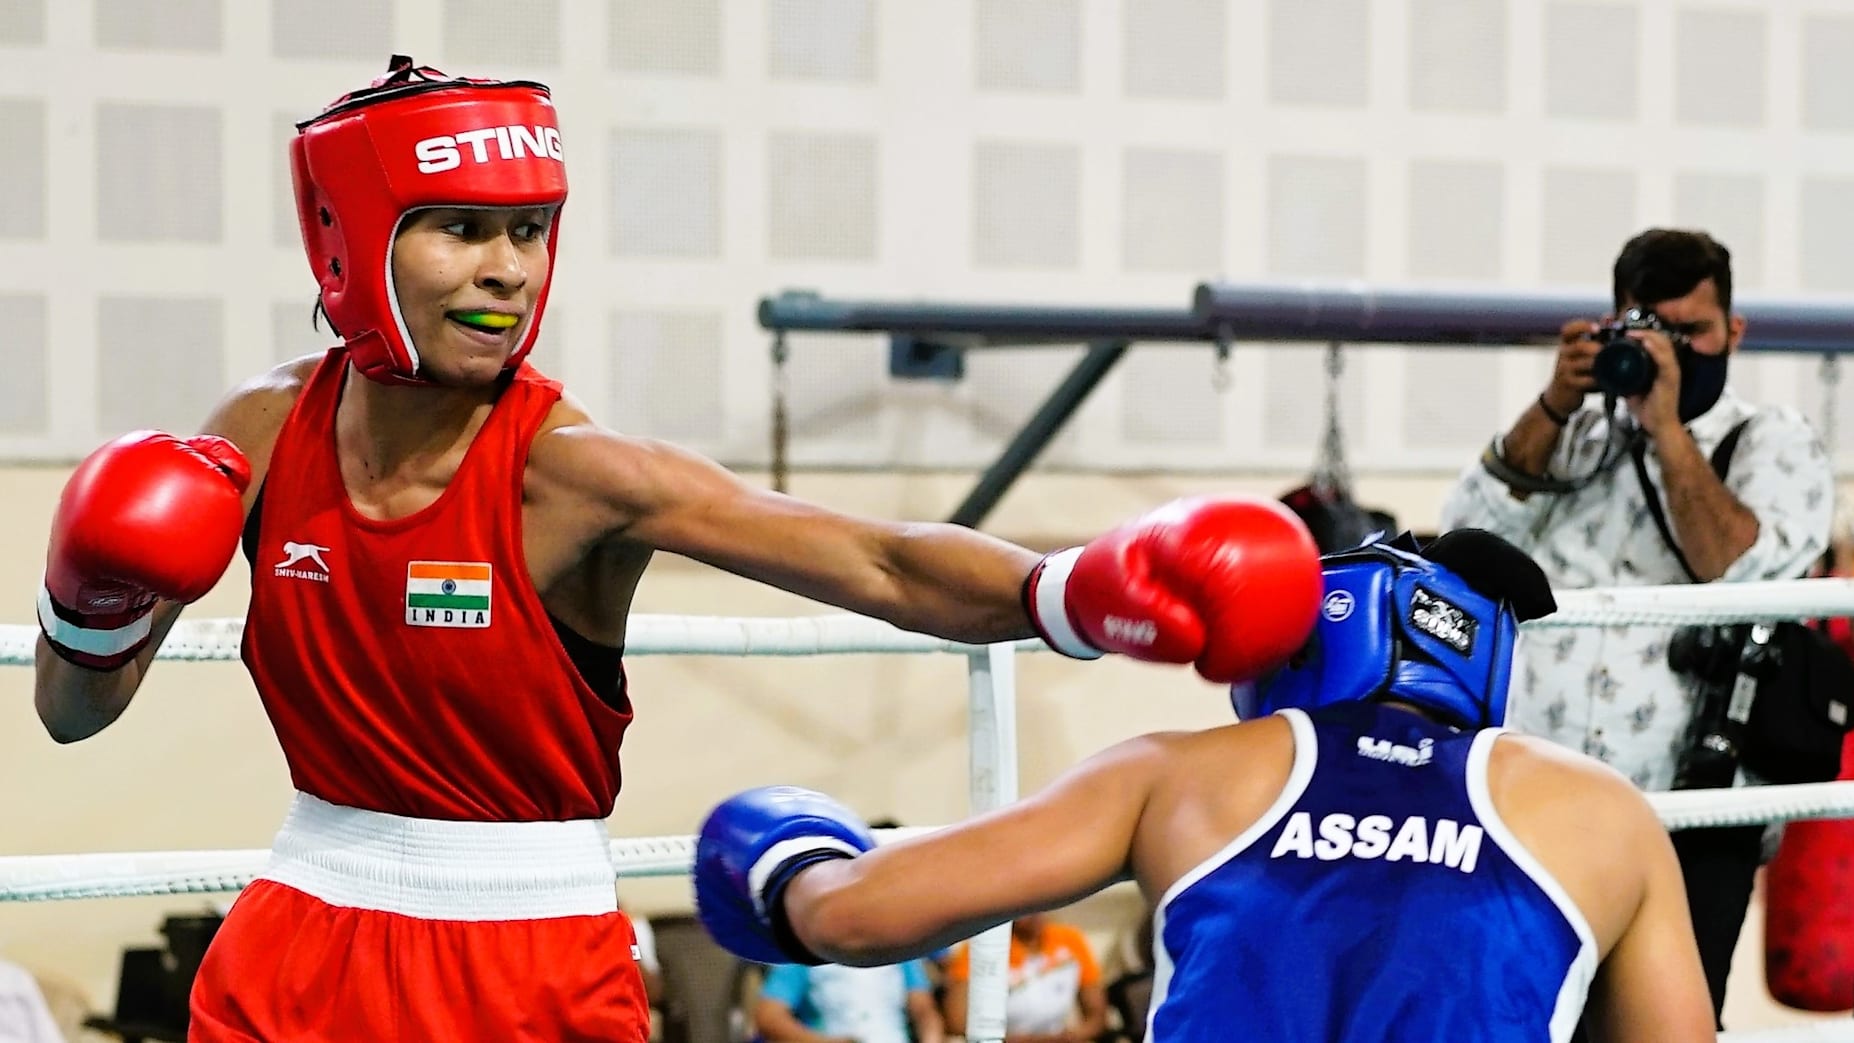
column 298, row 559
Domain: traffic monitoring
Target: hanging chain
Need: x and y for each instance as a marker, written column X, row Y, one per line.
column 1220, row 377
column 1831, row 401
column 1332, row 475
column 781, row 426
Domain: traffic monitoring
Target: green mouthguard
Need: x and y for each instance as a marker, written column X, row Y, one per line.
column 489, row 320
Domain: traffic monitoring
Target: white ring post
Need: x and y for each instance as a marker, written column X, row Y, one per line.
column 992, row 684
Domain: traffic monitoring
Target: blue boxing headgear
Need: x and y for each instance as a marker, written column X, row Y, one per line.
column 1396, row 624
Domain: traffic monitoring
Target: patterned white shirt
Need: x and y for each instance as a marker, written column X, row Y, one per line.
column 1608, row 691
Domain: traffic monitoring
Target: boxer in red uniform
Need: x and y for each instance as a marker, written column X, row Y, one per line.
column 443, row 554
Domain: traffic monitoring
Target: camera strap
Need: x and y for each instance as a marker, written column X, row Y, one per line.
column 1721, row 463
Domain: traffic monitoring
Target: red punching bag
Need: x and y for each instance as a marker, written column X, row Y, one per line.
column 1809, row 904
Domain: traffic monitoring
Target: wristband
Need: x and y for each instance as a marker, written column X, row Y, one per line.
column 1561, row 419
column 94, row 648
column 1046, row 602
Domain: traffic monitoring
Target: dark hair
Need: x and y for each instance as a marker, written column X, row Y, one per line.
column 320, row 315
column 1663, row 263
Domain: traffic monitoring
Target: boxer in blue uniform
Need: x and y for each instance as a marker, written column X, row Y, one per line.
column 1367, row 856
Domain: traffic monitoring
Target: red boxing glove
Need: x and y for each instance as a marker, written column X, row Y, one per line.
column 147, row 516
column 1231, row 584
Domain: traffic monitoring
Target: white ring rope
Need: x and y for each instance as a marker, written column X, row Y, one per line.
column 1701, row 808
column 836, row 634
column 1682, row 605
column 840, row 634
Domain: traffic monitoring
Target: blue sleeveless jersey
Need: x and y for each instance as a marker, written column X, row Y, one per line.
column 1381, row 898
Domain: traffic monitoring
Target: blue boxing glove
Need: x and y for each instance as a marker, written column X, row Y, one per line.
column 750, row 847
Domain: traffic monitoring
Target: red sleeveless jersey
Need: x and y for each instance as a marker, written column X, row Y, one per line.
column 408, row 666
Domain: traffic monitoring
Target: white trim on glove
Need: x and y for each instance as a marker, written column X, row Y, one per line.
column 101, row 643
column 783, row 852
column 1049, row 604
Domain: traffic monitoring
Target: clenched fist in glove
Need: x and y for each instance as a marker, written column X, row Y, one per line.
column 1231, row 584
column 750, row 848
column 147, row 516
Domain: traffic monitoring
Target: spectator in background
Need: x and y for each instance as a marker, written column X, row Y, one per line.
column 1130, row 990
column 1056, row 995
column 1579, row 484
column 893, row 1004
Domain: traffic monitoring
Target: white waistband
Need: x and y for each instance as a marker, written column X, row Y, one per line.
column 438, row 870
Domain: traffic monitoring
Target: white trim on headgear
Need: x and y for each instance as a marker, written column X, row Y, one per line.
column 392, row 291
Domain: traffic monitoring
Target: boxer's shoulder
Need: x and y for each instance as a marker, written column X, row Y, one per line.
column 252, row 414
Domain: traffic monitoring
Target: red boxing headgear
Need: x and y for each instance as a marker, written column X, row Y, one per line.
column 414, row 139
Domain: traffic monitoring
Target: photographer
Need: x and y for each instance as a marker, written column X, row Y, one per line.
column 1578, row 482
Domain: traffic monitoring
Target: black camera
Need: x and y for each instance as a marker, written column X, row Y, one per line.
column 1726, row 664
column 1623, row 367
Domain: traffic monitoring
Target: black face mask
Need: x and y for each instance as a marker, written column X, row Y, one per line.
column 1702, row 381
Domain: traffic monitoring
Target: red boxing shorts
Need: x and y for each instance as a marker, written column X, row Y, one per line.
column 370, row 926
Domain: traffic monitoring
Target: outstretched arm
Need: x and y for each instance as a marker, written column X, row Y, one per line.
column 1044, row 852
column 1157, row 587
column 930, row 577
column 788, row 875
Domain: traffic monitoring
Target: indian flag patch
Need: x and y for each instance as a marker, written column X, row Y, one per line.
column 447, row 594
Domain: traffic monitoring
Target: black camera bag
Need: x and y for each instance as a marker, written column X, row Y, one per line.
column 1801, row 711
column 1805, row 706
